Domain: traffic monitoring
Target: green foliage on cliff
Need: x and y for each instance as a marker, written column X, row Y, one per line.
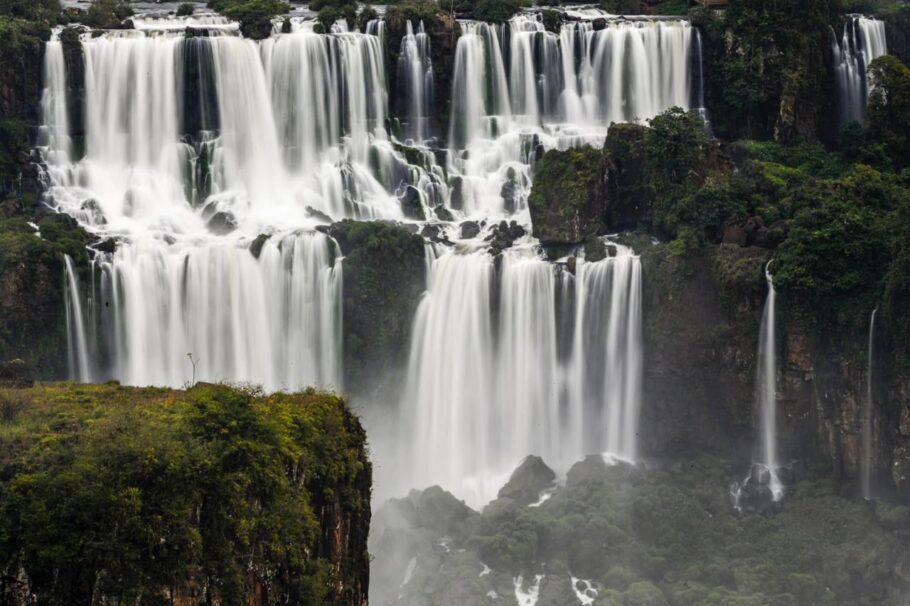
column 566, row 200
column 384, row 276
column 31, row 289
column 255, row 16
column 495, row 11
column 889, row 107
column 215, row 493
column 766, row 62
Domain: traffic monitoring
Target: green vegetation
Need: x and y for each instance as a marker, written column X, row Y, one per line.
column 672, row 534
column 115, row 491
column 31, row 291
column 384, row 276
column 567, row 201
column 495, row 11
column 889, row 107
column 107, row 14
column 255, row 16
column 186, row 9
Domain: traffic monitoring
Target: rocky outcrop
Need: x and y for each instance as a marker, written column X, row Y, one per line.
column 213, row 496
column 629, row 183
column 384, row 275
column 567, row 200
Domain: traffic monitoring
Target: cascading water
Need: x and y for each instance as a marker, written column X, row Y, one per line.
column 867, row 418
column 415, row 83
column 488, row 384
column 203, row 150
column 862, row 41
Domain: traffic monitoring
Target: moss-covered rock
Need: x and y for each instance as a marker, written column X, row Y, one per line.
column 384, row 276
column 567, row 200
column 212, row 494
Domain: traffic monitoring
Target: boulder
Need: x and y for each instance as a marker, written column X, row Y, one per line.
column 469, row 229
column 221, row 223
column 528, row 480
column 439, row 510
column 411, row 204
column 443, row 213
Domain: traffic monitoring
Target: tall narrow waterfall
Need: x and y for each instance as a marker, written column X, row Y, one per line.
column 766, row 388
column 54, row 132
column 867, row 415
column 415, row 83
column 488, row 382
column 77, row 343
column 862, row 41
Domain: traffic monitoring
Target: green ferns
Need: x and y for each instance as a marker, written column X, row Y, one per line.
column 131, row 492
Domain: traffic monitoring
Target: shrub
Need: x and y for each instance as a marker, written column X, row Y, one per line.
column 107, row 14
column 367, row 14
column 185, row 10
column 254, row 16
column 495, row 11
column 329, row 15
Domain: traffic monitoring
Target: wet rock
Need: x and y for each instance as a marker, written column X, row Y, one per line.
column 509, row 192
column 528, row 480
column 318, row 215
column 596, row 250
column 107, row 245
column 599, row 24
column 444, row 214
column 504, row 235
column 411, row 204
column 93, row 211
column 15, row 374
column 221, row 223
column 456, row 197
column 431, row 231
column 257, row 244
column 469, row 229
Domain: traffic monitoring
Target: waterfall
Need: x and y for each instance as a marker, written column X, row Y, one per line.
column 210, row 159
column 77, row 344
column 766, row 388
column 862, row 41
column 487, row 382
column 415, row 82
column 867, row 416
column 54, row 133
column 274, row 321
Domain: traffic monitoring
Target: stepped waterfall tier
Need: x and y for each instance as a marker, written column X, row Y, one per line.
column 210, row 159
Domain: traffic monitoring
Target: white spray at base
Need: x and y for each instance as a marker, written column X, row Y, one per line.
column 526, row 360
